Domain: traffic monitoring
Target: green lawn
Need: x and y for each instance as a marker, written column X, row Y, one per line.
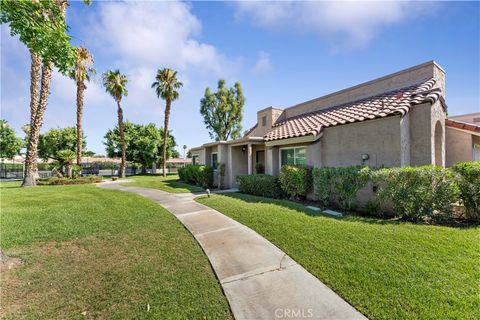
column 92, row 253
column 386, row 270
column 169, row 183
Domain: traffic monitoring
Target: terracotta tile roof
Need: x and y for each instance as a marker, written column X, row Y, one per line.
column 462, row 125
column 397, row 102
column 249, row 131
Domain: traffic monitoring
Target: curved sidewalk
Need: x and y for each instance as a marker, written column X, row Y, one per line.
column 259, row 280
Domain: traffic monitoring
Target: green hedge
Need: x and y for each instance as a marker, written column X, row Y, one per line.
column 295, row 181
column 260, row 185
column 201, row 175
column 339, row 186
column 66, row 181
column 468, row 179
column 416, row 193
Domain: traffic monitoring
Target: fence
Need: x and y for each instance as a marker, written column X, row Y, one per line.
column 15, row 170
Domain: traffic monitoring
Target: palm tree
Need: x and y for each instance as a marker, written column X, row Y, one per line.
column 115, row 84
column 81, row 72
column 66, row 159
column 40, row 77
column 165, row 86
column 184, row 151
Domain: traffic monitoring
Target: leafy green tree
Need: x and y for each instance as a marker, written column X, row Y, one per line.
column 166, row 85
column 88, row 153
column 143, row 143
column 222, row 111
column 115, row 84
column 10, row 144
column 81, row 72
column 57, row 139
column 41, row 26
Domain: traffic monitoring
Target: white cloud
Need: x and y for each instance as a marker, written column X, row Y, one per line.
column 263, row 64
column 157, row 34
column 352, row 23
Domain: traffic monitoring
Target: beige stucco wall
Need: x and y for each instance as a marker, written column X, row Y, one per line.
column 459, row 146
column 271, row 115
column 239, row 164
column 423, row 140
column 380, row 139
column 394, row 81
column 201, row 155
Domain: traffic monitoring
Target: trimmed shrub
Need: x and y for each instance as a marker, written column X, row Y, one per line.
column 295, row 181
column 416, row 193
column 197, row 174
column 468, row 179
column 263, row 185
column 53, row 181
column 339, row 186
column 259, row 168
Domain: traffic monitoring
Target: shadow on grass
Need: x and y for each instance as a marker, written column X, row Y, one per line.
column 348, row 217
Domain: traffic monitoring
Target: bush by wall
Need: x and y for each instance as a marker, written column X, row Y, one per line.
column 201, row 175
column 339, row 186
column 260, row 185
column 295, row 181
column 416, row 193
column 468, row 179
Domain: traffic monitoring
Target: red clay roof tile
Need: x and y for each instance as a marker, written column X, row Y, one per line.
column 397, row 102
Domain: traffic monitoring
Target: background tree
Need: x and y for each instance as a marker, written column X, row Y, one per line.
column 87, row 153
column 41, row 26
column 184, row 150
column 189, row 154
column 57, row 139
column 166, row 85
column 81, row 72
column 10, row 144
column 222, row 111
column 115, row 84
column 143, row 142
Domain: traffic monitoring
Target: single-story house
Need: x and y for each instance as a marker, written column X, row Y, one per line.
column 396, row 120
column 462, row 138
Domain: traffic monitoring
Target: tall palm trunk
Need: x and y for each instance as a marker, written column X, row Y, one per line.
column 122, row 140
column 80, row 89
column 30, row 164
column 36, row 121
column 165, row 137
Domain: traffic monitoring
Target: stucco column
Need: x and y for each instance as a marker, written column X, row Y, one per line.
column 249, row 148
column 405, row 140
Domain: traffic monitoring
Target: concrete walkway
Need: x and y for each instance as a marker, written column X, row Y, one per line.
column 259, row 280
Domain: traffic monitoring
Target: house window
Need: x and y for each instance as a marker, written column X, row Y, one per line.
column 264, row 121
column 194, row 159
column 214, row 160
column 293, row 156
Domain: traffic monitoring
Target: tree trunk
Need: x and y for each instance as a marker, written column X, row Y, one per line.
column 36, row 121
column 165, row 137
column 80, row 89
column 122, row 140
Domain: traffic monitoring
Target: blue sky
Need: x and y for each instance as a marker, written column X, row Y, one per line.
column 282, row 53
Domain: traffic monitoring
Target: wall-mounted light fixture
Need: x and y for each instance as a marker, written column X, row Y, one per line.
column 244, row 149
column 365, row 157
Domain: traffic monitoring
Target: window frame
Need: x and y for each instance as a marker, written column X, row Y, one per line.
column 294, row 157
column 195, row 157
column 211, row 160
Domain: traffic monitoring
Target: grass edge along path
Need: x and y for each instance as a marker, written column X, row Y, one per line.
column 384, row 269
column 96, row 253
